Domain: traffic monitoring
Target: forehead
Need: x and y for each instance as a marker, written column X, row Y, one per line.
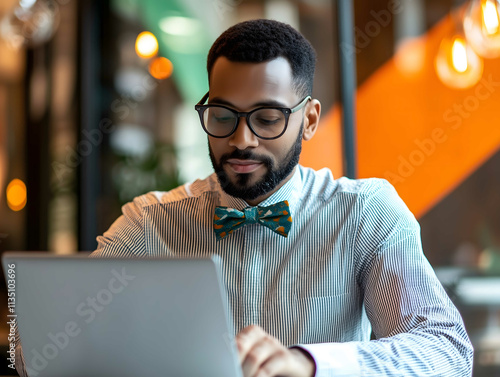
column 244, row 84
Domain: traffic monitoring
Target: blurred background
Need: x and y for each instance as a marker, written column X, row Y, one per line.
column 97, row 106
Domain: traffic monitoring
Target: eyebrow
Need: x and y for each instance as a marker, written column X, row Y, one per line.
column 269, row 103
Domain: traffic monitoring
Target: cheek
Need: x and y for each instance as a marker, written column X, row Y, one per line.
column 216, row 146
column 280, row 150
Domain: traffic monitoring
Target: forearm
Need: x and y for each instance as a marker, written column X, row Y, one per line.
column 19, row 358
column 444, row 351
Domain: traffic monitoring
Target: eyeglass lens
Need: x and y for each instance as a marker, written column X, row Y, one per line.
column 265, row 123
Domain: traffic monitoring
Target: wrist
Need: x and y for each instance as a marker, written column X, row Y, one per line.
column 306, row 360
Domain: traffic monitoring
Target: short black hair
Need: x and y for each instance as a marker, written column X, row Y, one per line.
column 261, row 40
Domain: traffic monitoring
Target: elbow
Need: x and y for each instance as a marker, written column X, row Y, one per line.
column 468, row 358
column 463, row 357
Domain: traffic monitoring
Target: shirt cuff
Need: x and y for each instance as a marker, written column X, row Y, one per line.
column 334, row 359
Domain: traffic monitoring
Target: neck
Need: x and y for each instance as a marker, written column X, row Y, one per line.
column 260, row 199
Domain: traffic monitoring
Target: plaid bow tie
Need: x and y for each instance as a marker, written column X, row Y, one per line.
column 276, row 217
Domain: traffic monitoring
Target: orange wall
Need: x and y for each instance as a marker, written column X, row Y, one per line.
column 422, row 136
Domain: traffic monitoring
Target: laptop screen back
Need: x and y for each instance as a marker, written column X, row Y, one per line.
column 82, row 316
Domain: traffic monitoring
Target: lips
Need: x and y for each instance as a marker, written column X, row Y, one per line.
column 243, row 166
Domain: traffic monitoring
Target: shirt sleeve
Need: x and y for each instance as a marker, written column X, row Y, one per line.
column 126, row 236
column 418, row 331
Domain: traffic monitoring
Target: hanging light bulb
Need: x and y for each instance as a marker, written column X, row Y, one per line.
column 459, row 55
column 490, row 17
column 482, row 27
column 457, row 64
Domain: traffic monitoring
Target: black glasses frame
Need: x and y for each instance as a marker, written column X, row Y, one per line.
column 200, row 108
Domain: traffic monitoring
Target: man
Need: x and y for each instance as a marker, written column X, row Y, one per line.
column 310, row 264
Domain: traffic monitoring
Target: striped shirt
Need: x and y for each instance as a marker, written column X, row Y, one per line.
column 351, row 264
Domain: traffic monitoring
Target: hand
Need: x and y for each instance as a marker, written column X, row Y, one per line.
column 262, row 355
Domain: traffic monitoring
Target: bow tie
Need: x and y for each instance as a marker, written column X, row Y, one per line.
column 276, row 217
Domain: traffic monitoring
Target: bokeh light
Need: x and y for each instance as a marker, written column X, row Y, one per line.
column 146, row 45
column 161, row 68
column 410, row 57
column 32, row 23
column 181, row 26
column 17, row 195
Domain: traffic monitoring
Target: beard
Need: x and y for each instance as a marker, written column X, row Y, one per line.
column 275, row 174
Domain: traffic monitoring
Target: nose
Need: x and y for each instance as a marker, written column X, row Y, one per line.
column 243, row 137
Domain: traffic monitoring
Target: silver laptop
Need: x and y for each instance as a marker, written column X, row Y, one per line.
column 81, row 316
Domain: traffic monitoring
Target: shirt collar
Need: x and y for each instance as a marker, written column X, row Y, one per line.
column 290, row 191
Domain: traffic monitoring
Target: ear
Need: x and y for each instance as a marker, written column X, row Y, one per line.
column 311, row 120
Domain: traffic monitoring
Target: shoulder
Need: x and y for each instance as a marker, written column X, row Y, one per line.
column 365, row 189
column 322, row 183
column 189, row 191
column 365, row 199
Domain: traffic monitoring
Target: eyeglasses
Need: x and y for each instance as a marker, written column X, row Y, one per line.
column 265, row 122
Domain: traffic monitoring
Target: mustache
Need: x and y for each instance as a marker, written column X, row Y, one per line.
column 245, row 155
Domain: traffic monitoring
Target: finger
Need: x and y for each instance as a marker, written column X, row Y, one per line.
column 258, row 355
column 247, row 338
column 276, row 365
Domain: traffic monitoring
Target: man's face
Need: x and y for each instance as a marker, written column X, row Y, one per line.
column 249, row 167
